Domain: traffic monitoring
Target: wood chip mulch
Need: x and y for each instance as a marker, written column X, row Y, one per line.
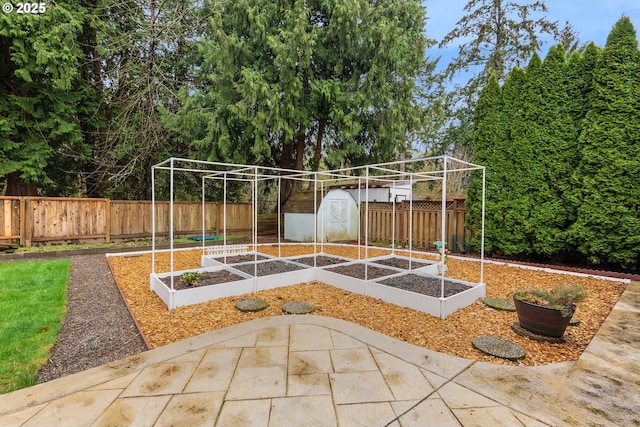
column 453, row 335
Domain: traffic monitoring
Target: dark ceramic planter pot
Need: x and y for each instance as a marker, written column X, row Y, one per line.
column 542, row 320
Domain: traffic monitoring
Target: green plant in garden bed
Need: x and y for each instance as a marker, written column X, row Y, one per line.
column 33, row 297
column 191, row 277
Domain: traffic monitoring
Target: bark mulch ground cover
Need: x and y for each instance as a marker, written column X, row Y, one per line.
column 453, row 335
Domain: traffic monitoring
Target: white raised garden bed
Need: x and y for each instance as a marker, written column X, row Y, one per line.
column 260, row 272
column 175, row 298
column 439, row 306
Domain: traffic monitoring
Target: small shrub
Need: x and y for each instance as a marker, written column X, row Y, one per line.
column 562, row 297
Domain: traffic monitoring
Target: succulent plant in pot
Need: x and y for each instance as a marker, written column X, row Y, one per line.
column 547, row 312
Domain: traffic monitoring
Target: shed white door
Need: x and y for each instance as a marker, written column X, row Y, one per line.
column 338, row 217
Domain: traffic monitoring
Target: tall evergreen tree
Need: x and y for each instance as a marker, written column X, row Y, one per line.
column 497, row 118
column 495, row 36
column 608, row 219
column 518, row 180
column 499, row 35
column 487, row 137
column 579, row 83
column 553, row 139
column 43, row 97
column 296, row 82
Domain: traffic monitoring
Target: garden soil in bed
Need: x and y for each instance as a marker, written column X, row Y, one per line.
column 237, row 259
column 401, row 263
column 453, row 335
column 320, row 260
column 207, row 278
column 267, row 268
column 360, row 271
column 430, row 286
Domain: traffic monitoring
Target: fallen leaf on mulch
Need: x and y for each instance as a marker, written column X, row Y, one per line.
column 453, row 335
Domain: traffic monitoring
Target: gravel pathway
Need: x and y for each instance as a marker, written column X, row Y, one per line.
column 97, row 326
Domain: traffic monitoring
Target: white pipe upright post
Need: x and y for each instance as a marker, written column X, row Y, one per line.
column 443, row 229
column 410, row 219
column 171, row 223
column 315, row 218
column 482, row 227
column 279, row 215
column 224, row 217
column 254, row 226
column 359, row 218
column 393, row 224
column 366, row 222
column 204, row 223
column 153, row 220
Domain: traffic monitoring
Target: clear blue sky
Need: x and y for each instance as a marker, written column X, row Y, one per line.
column 591, row 19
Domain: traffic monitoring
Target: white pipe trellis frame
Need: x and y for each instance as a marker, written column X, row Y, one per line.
column 251, row 173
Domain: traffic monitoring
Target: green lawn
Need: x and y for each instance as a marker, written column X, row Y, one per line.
column 33, row 298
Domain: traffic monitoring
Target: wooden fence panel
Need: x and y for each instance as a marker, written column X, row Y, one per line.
column 130, row 219
column 50, row 219
column 425, row 227
column 39, row 219
column 239, row 216
column 9, row 218
column 65, row 219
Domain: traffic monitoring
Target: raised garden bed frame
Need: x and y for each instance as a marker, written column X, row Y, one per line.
column 253, row 175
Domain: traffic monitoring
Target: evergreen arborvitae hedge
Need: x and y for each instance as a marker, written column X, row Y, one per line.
column 561, row 144
column 607, row 228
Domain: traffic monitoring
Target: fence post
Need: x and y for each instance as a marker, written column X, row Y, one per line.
column 401, row 232
column 107, row 220
column 28, row 221
column 22, row 221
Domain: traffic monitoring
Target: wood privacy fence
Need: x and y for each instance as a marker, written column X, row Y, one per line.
column 40, row 220
column 29, row 220
column 387, row 223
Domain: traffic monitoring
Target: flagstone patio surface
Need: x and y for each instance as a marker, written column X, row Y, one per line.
column 305, row 370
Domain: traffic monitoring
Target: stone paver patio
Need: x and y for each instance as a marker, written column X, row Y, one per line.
column 318, row 371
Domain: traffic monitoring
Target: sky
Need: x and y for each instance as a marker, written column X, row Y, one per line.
column 591, row 19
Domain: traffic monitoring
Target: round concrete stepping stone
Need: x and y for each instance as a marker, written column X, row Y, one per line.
column 298, row 307
column 500, row 304
column 521, row 331
column 499, row 347
column 251, row 304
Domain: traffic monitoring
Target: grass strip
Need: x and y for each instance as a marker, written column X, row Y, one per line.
column 33, row 297
column 116, row 245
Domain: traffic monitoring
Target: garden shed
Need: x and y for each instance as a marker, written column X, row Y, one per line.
column 300, row 216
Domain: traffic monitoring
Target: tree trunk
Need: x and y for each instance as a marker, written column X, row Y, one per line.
column 285, row 184
column 17, row 186
column 289, row 187
column 317, row 155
